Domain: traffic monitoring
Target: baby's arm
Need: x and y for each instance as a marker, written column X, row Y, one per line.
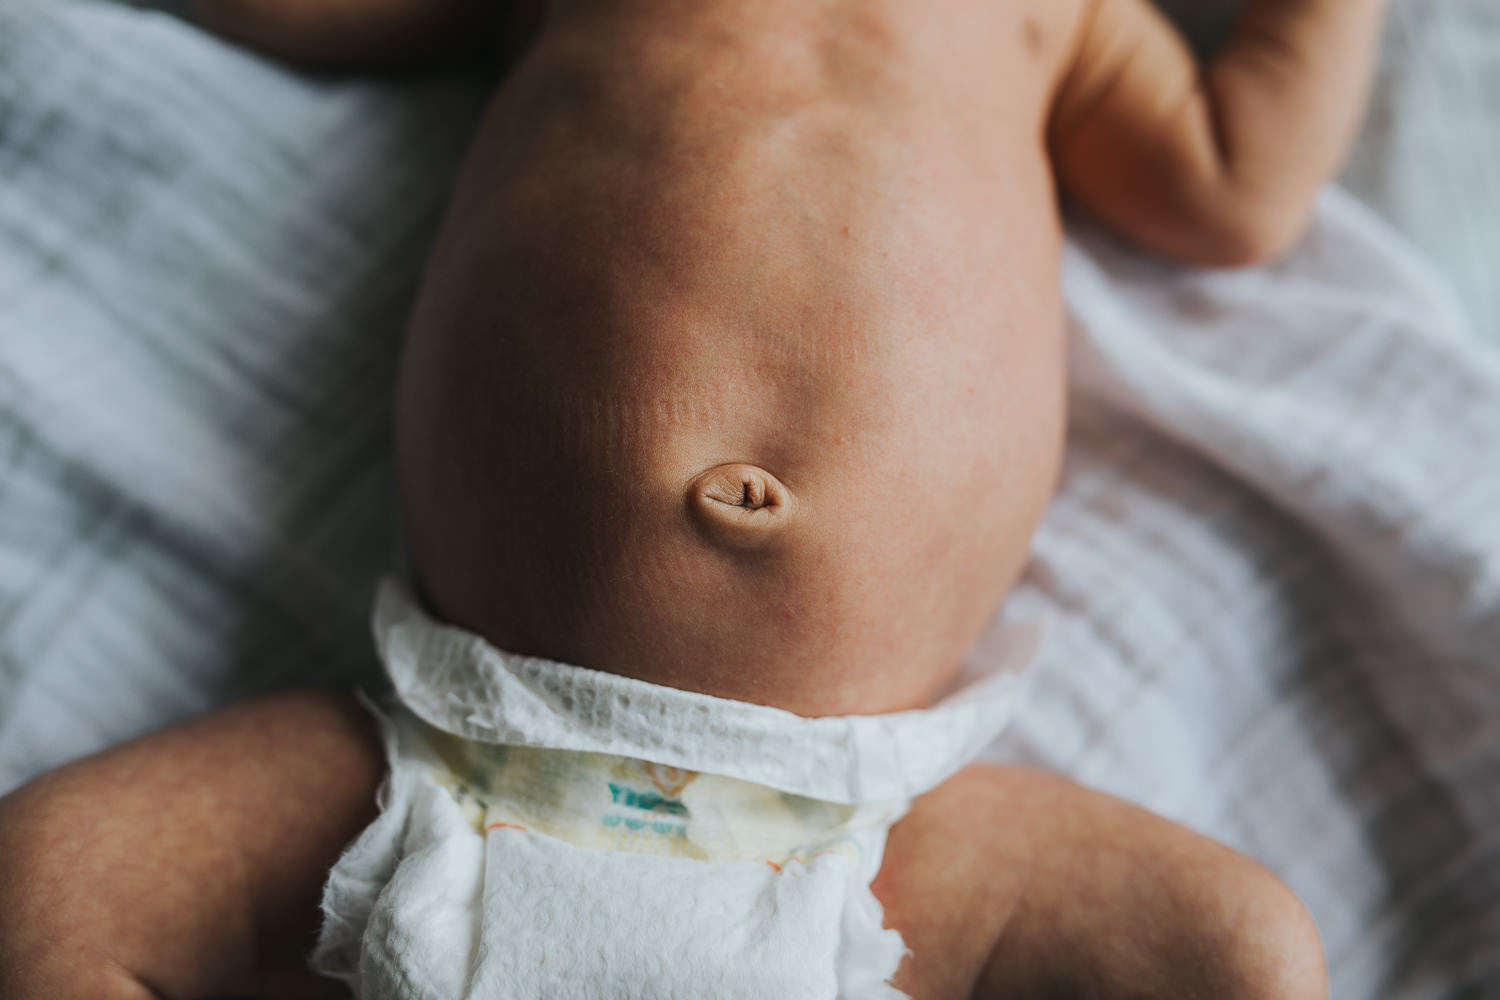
column 188, row 863
column 1218, row 164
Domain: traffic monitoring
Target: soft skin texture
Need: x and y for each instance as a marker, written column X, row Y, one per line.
column 678, row 249
column 189, row 863
column 1010, row 883
column 817, row 243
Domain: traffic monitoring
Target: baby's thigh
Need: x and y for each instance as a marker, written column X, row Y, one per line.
column 955, row 868
column 1008, row 882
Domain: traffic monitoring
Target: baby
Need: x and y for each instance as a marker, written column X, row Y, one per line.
column 739, row 369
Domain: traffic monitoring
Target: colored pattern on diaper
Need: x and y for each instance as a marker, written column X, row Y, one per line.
column 606, row 802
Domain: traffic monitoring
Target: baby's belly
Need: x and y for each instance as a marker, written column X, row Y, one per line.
column 828, row 187
column 823, row 248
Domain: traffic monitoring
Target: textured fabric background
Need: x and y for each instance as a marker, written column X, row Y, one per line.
column 1272, row 570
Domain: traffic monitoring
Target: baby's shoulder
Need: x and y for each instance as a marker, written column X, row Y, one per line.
column 1038, row 40
column 1085, row 44
column 1073, row 48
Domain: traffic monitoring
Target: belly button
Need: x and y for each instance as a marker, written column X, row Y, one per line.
column 740, row 504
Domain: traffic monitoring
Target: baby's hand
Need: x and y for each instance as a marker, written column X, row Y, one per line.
column 1214, row 165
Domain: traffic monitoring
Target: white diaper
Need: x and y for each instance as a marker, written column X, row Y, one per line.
column 550, row 831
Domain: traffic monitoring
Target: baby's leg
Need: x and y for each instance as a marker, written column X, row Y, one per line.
column 1007, row 882
column 187, row 863
column 1215, row 164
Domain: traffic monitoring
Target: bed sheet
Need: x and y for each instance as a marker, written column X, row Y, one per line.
column 205, row 263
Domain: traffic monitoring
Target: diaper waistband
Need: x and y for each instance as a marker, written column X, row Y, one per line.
column 457, row 682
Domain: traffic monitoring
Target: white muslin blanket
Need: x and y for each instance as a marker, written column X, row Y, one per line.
column 550, row 832
column 1271, row 570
